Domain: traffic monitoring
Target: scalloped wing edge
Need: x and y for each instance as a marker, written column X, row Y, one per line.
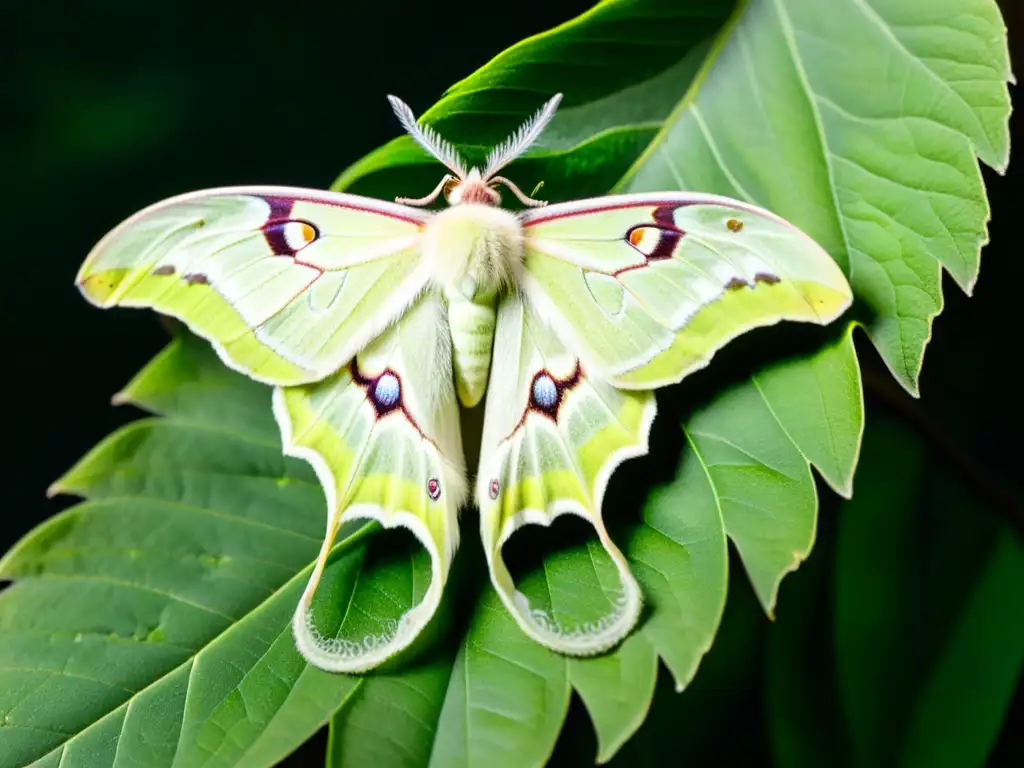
column 610, row 629
column 594, row 637
column 334, row 654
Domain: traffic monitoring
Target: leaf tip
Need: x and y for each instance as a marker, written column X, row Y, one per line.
column 1001, row 167
column 841, row 481
column 845, row 489
column 908, row 381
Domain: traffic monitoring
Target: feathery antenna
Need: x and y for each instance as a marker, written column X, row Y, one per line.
column 521, row 140
column 428, row 138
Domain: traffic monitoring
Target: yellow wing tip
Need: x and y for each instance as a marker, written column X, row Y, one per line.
column 101, row 288
column 827, row 302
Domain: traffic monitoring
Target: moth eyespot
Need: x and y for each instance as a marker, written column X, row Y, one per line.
column 387, row 390
column 493, row 490
column 654, row 241
column 286, row 238
column 734, row 225
column 544, row 392
column 433, row 489
column 298, row 234
column 303, row 234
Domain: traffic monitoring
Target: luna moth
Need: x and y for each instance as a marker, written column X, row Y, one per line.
column 375, row 320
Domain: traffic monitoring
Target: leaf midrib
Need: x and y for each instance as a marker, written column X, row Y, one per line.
column 789, row 34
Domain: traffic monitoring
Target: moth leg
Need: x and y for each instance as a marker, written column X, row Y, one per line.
column 420, row 201
column 524, row 199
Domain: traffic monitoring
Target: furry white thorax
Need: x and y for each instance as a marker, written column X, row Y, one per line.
column 474, row 248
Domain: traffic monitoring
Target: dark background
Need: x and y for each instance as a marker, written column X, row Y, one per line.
column 107, row 107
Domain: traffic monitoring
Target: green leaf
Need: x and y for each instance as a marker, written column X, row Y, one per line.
column 622, row 66
column 876, row 593
column 691, row 729
column 150, row 623
column 390, row 720
column 819, row 403
column 802, row 710
column 678, row 554
column 859, row 122
column 928, row 632
column 163, row 601
column 758, row 474
column 184, row 380
column 979, row 671
column 617, row 691
column 506, row 698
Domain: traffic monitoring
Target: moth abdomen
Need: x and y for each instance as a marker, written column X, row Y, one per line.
column 472, row 323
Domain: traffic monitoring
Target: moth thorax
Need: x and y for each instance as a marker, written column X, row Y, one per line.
column 474, row 248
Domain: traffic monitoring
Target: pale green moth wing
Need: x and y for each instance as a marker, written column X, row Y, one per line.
column 383, row 436
column 553, row 435
column 646, row 288
column 288, row 284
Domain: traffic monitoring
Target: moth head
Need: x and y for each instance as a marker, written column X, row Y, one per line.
column 474, row 185
column 471, row 189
